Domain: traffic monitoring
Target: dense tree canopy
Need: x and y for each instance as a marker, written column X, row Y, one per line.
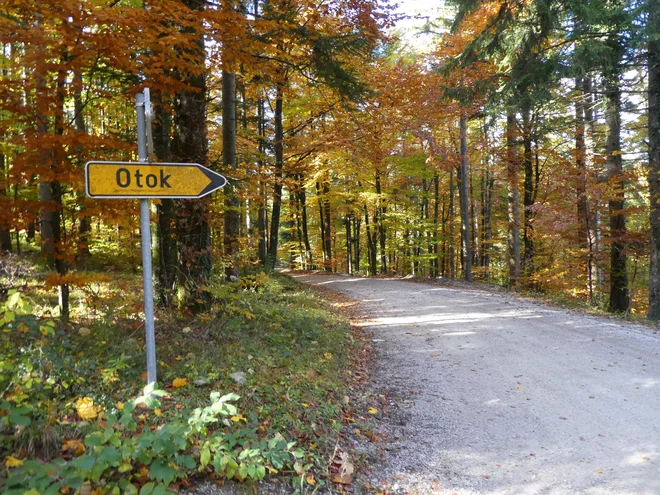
column 512, row 150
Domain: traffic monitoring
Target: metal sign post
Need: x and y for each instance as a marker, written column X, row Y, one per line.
column 145, row 180
column 145, row 229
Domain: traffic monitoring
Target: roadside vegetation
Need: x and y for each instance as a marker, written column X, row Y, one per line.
column 250, row 388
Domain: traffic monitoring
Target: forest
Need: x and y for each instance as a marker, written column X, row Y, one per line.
column 520, row 147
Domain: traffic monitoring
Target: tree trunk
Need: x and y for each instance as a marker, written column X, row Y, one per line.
column 5, row 228
column 166, row 211
column 371, row 244
column 190, row 146
column 513, row 195
column 654, row 155
column 328, row 228
column 319, row 198
column 231, row 217
column 619, row 296
column 356, row 241
column 464, row 203
column 381, row 227
column 487, row 208
column 528, row 198
column 581, row 174
column 594, row 233
column 56, row 193
column 302, row 200
column 262, row 215
column 435, row 265
column 349, row 245
column 84, row 220
column 452, row 256
column 277, row 188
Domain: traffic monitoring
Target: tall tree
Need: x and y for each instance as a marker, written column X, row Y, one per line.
column 653, row 33
column 190, row 145
column 463, row 195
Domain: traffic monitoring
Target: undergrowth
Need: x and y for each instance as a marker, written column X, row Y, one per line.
column 251, row 388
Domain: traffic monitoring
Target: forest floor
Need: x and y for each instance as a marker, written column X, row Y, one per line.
column 484, row 392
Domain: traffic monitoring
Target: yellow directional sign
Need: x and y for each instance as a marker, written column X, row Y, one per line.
column 150, row 180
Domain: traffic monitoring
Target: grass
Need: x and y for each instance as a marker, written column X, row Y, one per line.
column 288, row 344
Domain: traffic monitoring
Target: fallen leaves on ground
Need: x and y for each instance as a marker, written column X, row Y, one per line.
column 86, row 408
column 12, row 462
column 341, row 468
column 179, row 382
column 76, row 447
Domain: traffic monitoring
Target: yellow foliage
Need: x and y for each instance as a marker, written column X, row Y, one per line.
column 12, row 462
column 76, row 447
column 86, row 408
column 179, row 382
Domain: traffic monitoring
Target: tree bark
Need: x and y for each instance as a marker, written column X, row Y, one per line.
column 581, row 170
column 166, row 211
column 319, row 198
column 5, row 228
column 435, row 265
column 84, row 220
column 528, row 198
column 594, row 233
column 371, row 244
column 61, row 265
column 452, row 256
column 190, row 146
column 654, row 155
column 278, row 175
column 380, row 208
column 231, row 216
column 356, row 241
column 619, row 295
column 512, row 197
column 328, row 228
column 487, row 208
column 262, row 214
column 464, row 202
column 302, row 200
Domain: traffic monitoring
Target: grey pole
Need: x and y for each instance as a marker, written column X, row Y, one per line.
column 145, row 228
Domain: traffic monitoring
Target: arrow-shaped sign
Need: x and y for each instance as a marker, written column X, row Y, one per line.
column 150, row 180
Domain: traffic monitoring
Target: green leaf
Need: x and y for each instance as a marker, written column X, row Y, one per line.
column 161, row 471
column 13, row 300
column 205, row 457
column 74, row 481
column 93, row 439
column 149, row 388
column 187, row 461
column 18, row 418
column 160, row 490
column 261, row 472
column 84, row 463
column 229, row 397
column 128, row 487
column 243, row 471
column 148, row 488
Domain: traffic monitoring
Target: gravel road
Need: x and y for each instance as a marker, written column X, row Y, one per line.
column 499, row 395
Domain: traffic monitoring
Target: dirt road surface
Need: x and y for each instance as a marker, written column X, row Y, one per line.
column 499, row 395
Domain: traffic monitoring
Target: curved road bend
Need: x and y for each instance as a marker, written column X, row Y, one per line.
column 502, row 396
